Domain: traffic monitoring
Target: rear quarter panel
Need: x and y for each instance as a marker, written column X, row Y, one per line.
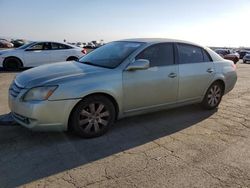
column 226, row 71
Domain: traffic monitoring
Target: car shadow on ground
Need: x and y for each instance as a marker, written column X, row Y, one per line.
column 26, row 156
column 2, row 70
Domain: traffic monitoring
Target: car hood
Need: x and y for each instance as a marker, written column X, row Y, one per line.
column 55, row 73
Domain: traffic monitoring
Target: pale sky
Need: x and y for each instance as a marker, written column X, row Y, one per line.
column 210, row 23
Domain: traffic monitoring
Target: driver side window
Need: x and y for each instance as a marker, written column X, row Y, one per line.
column 38, row 46
column 158, row 54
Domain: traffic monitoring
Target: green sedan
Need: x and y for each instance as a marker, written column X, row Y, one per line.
column 120, row 79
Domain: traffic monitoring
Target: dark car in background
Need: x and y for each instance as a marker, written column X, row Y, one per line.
column 228, row 54
column 246, row 58
column 18, row 42
column 243, row 53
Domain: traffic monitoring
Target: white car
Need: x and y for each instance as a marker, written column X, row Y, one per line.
column 39, row 53
column 80, row 44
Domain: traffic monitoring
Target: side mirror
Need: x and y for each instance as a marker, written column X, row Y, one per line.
column 139, row 64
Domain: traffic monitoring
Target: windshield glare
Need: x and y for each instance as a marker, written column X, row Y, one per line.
column 111, row 55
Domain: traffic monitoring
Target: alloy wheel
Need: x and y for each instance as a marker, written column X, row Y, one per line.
column 214, row 95
column 94, row 118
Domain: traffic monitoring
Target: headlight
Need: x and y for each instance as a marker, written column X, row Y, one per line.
column 39, row 93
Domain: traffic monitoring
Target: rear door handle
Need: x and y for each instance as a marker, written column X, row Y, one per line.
column 210, row 70
column 172, row 75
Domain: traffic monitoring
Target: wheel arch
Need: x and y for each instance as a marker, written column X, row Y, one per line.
column 222, row 83
column 21, row 61
column 110, row 97
column 220, row 80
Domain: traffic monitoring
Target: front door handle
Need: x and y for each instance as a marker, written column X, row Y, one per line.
column 172, row 75
column 210, row 70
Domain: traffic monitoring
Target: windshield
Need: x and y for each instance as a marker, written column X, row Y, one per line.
column 26, row 45
column 110, row 55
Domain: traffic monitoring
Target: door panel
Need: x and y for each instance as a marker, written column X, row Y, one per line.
column 59, row 55
column 37, row 55
column 194, row 79
column 196, row 70
column 145, row 88
column 59, row 52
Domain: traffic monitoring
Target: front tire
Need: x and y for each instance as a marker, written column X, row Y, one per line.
column 12, row 64
column 93, row 116
column 213, row 96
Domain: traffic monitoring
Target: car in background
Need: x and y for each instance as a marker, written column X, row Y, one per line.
column 5, row 44
column 120, row 79
column 246, row 58
column 90, row 45
column 81, row 44
column 243, row 53
column 39, row 53
column 18, row 42
column 228, row 54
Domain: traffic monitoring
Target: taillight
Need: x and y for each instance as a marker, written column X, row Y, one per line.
column 234, row 66
column 84, row 51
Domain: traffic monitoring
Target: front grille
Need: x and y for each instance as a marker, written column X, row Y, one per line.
column 15, row 89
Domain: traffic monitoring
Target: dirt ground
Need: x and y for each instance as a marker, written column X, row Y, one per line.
column 184, row 147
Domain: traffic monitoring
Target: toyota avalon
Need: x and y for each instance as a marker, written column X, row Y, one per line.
column 122, row 78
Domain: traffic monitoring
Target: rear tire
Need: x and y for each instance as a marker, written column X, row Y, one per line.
column 93, row 116
column 12, row 63
column 213, row 96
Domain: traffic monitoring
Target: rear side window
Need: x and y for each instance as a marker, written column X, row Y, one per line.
column 206, row 56
column 189, row 54
column 158, row 54
column 46, row 46
column 58, row 46
column 40, row 46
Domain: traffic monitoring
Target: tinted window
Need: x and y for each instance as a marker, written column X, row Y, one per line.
column 58, row 46
column 110, row 55
column 207, row 58
column 38, row 46
column 158, row 55
column 46, row 46
column 189, row 54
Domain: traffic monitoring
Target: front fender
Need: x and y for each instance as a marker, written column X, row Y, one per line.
column 78, row 89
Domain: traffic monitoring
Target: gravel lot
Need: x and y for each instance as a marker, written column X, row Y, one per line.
column 184, row 147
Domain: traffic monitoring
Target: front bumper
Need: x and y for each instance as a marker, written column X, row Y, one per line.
column 42, row 115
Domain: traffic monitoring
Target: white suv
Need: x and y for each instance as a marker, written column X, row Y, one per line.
column 39, row 53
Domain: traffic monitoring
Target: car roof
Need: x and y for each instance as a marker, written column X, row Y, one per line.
column 158, row 40
column 50, row 41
